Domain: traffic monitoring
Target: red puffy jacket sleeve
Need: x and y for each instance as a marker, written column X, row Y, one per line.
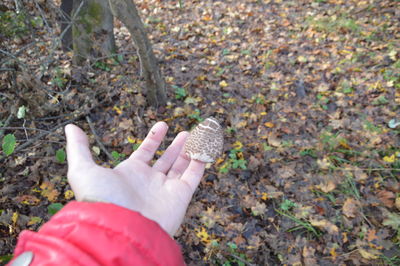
column 84, row 233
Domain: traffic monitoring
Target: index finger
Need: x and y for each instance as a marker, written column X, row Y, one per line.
column 150, row 144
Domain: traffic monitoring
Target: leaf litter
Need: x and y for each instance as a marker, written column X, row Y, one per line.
column 308, row 93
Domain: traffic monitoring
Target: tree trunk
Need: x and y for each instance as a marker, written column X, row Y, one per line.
column 92, row 30
column 126, row 12
column 65, row 21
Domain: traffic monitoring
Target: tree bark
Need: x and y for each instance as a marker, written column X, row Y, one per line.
column 92, row 30
column 126, row 12
column 65, row 21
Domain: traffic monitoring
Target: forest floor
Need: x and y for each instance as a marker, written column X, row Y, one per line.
column 308, row 93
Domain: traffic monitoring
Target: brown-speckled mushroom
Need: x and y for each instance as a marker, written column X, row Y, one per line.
column 206, row 141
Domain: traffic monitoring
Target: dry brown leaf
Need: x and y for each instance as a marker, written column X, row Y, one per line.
column 49, row 191
column 286, row 171
column 359, row 175
column 273, row 140
column 350, row 208
column 386, row 197
column 126, row 124
column 366, row 251
column 327, row 186
column 325, row 225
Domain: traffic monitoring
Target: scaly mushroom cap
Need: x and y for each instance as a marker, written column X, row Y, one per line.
column 206, row 141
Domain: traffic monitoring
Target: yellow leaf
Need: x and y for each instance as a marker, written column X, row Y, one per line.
column 14, row 217
column 206, row 17
column 223, row 84
column 219, row 161
column 264, row 196
column 117, row 109
column 131, row 140
column 390, row 159
column 203, row 235
column 201, row 77
column 269, row 124
column 333, row 253
column 392, row 55
column 34, row 220
column 368, row 254
column 69, row 194
column 301, row 59
column 237, row 145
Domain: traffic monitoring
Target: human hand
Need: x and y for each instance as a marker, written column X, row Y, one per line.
column 160, row 192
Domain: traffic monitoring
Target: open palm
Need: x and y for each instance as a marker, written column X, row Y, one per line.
column 160, row 192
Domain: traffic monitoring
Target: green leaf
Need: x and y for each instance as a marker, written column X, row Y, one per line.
column 6, row 258
column 54, row 208
column 287, row 204
column 117, row 156
column 180, row 93
column 232, row 245
column 60, row 155
column 381, row 100
column 9, row 143
column 21, row 112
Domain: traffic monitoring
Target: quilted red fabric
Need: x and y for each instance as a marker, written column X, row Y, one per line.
column 84, row 233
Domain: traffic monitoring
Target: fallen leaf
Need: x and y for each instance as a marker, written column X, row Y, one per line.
column 223, row 84
column 69, row 194
column 369, row 254
column 325, row 225
column 34, row 220
column 386, row 197
column 259, row 209
column 49, row 191
column 397, row 203
column 27, row 199
column 273, row 140
column 126, row 123
column 390, row 159
column 392, row 220
column 359, row 174
column 327, row 186
column 269, row 124
column 350, row 208
column 366, row 251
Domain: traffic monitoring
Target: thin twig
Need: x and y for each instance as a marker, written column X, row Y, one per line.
column 370, row 169
column 25, row 128
column 241, row 260
column 97, row 138
column 74, row 116
column 39, row 136
column 6, row 123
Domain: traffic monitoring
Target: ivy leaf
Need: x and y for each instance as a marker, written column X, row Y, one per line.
column 9, row 143
column 54, row 208
column 60, row 155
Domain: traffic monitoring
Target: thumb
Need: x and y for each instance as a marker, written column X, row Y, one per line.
column 78, row 153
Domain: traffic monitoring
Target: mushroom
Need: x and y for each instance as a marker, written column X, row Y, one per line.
column 206, row 141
